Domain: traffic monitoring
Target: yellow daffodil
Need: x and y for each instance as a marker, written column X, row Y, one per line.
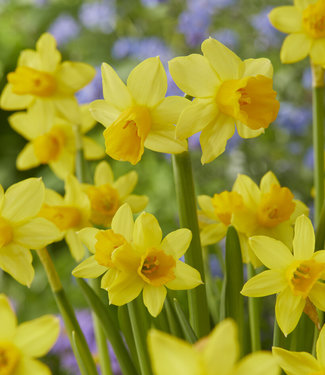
column 21, row 230
column 69, row 214
column 41, row 77
column 134, row 257
column 295, row 277
column 138, row 115
column 107, row 195
column 227, row 91
column 20, row 345
column 302, row 363
column 304, row 21
column 216, row 354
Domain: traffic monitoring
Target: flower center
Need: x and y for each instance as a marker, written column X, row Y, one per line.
column 64, row 217
column 313, row 19
column 157, row 268
column 225, row 204
column 275, row 206
column 9, row 357
column 124, row 138
column 250, row 100
column 30, row 81
column 104, row 201
column 302, row 275
column 107, row 242
column 6, row 233
column 47, row 147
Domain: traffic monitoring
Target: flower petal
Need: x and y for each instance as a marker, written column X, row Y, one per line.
column 320, row 347
column 68, row 107
column 253, row 67
column 226, row 63
column 164, row 140
column 87, row 120
column 212, row 233
column 36, row 337
column 176, row 243
column 126, row 287
column 300, row 209
column 92, row 149
column 304, row 238
column 153, row 298
column 109, row 278
column 316, row 295
column 28, row 365
column 294, row 48
column 103, row 112
column 122, row 222
column 126, row 184
column 137, row 202
column 271, row 252
column 23, row 199
column 72, row 76
column 114, row 89
column 148, row 82
column 88, row 238
column 317, row 52
column 267, row 181
column 147, row 232
column 214, row 137
column 7, row 318
column 186, row 277
column 89, row 268
column 11, row 101
column 64, row 165
column 245, row 132
column 103, row 174
column 76, row 247
column 74, row 195
column 50, row 57
column 27, row 159
column 288, row 310
column 264, row 284
column 259, row 363
column 247, row 188
column 287, row 19
column 194, row 75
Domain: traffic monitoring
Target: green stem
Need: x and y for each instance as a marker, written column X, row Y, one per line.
column 81, row 350
column 175, row 328
column 197, row 299
column 254, row 315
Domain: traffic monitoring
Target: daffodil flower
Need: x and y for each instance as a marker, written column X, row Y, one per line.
column 227, row 91
column 69, row 214
column 138, row 115
column 302, row 363
column 20, row 345
column 134, row 257
column 216, row 354
column 21, row 230
column 107, row 195
column 304, row 22
column 41, row 77
column 295, row 277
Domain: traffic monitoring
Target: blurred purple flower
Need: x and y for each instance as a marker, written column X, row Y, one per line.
column 64, row 28
column 269, row 36
column 152, row 3
column 194, row 24
column 93, row 91
column 212, row 5
column 294, row 119
column 307, row 78
column 309, row 158
column 227, row 37
column 99, row 16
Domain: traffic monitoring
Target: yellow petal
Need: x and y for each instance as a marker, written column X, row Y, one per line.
column 253, row 67
column 28, row 365
column 109, row 278
column 176, row 243
column 316, row 295
column 127, row 259
column 226, row 63
column 126, row 184
column 300, row 209
column 115, row 91
column 36, row 337
column 122, row 222
column 221, row 348
column 319, row 256
column 287, row 19
column 317, row 52
column 148, row 82
column 26, row 124
column 125, row 288
column 170, row 355
column 104, row 112
column 304, row 238
column 147, row 232
column 294, row 362
column 195, row 118
column 68, row 107
column 137, row 202
column 23, row 200
column 272, row 253
column 50, row 57
column 194, row 75
column 36, row 233
column 247, row 188
column 27, row 159
column 74, row 195
column 186, row 277
column 205, row 202
column 89, row 268
column 72, row 76
column 264, row 284
column 267, row 181
column 64, row 165
column 153, row 298
column 320, row 347
column 245, row 132
column 259, row 363
column 87, row 120
column 92, row 149
column 7, row 318
column 103, row 174
column 30, row 58
column 53, row 198
column 88, row 238
column 17, row 261
column 288, row 310
column 164, row 140
column 294, row 48
column 10, row 101
column 214, row 137
column 76, row 247
column 302, row 4
column 212, row 233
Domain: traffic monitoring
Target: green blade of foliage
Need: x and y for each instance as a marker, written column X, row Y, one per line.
column 320, row 232
column 184, row 323
column 175, row 328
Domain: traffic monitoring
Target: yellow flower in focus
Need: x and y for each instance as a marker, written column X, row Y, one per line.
column 107, row 195
column 69, row 214
column 20, row 345
column 227, row 91
column 295, row 277
column 302, row 363
column 138, row 115
column 21, row 230
column 216, row 354
column 305, row 24
column 41, row 77
column 134, row 257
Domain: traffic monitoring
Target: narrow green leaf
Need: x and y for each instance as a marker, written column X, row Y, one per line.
column 184, row 323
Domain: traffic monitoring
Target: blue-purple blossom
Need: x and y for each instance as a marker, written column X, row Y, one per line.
column 93, row 91
column 152, row 3
column 227, row 37
column 309, row 158
column 307, row 78
column 64, row 28
column 99, row 16
column 294, row 119
column 194, row 24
